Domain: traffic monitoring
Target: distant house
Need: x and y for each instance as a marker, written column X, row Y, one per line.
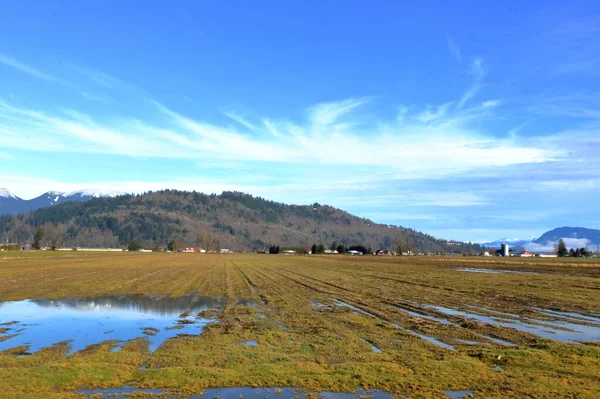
column 226, row 251
column 26, row 247
column 353, row 252
column 382, row 252
column 188, row 250
column 523, row 255
column 289, row 251
column 547, row 255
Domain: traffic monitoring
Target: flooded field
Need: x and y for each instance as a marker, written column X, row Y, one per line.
column 240, row 393
column 179, row 325
column 37, row 324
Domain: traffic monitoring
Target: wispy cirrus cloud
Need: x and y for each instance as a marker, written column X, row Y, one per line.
column 424, row 141
column 454, row 48
column 478, row 72
column 21, row 66
column 324, row 114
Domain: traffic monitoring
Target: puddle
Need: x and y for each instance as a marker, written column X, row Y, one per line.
column 281, row 326
column 416, row 334
column 563, row 331
column 570, row 316
column 249, row 303
column 458, row 394
column 237, row 393
column 424, row 316
column 498, row 368
column 250, row 343
column 359, row 310
column 467, row 342
column 492, row 271
column 317, row 304
column 373, row 347
column 116, row 392
column 431, row 339
column 499, row 341
column 92, row 321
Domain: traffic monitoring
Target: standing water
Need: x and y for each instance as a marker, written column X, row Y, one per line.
column 38, row 324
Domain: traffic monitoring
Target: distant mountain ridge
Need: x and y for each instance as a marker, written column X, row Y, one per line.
column 230, row 220
column 11, row 204
column 574, row 237
column 512, row 242
column 570, row 233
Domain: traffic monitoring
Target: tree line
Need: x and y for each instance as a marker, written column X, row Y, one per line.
column 562, row 251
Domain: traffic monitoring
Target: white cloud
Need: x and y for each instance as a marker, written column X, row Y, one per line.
column 568, row 185
column 239, row 118
column 326, row 113
column 454, row 48
column 432, row 114
column 432, row 141
column 14, row 63
column 477, row 68
column 478, row 73
column 550, row 245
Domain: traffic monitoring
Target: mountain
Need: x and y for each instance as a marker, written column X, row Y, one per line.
column 8, row 200
column 11, row 204
column 231, row 220
column 512, row 242
column 574, row 237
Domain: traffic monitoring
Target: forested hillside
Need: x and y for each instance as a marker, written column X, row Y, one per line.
column 231, row 220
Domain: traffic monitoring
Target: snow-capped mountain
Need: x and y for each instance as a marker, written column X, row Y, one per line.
column 11, row 204
column 8, row 200
column 4, row 193
column 94, row 193
column 512, row 242
column 574, row 237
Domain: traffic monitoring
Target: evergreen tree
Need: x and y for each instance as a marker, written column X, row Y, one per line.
column 341, row 249
column 321, row 249
column 134, row 246
column 561, row 249
column 37, row 240
column 313, row 249
column 172, row 246
column 277, row 249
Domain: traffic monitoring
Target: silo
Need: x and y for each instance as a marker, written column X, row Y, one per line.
column 504, row 250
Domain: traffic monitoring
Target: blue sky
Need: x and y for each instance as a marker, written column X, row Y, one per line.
column 464, row 121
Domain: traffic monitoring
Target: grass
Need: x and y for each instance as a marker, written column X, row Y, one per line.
column 315, row 347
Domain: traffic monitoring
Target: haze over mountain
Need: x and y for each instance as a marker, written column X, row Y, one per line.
column 231, row 220
column 574, row 237
column 513, row 242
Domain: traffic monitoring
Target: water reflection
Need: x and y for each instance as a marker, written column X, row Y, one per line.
column 42, row 323
column 237, row 393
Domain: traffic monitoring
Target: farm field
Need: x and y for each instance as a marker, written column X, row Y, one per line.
column 411, row 326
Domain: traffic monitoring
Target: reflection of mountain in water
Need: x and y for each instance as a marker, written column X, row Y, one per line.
column 165, row 306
